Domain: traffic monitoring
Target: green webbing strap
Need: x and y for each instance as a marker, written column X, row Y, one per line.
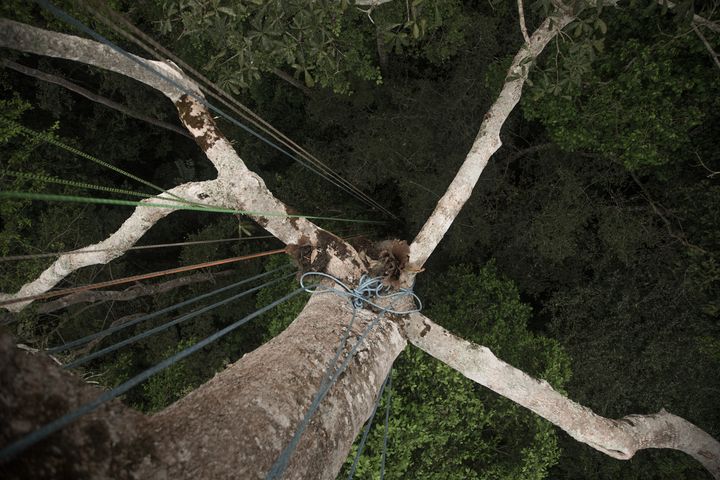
column 47, row 197
column 50, row 139
column 71, row 183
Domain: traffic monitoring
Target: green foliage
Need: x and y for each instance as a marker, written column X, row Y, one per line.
column 19, row 148
column 314, row 39
column 329, row 43
column 637, row 102
column 172, row 383
column 28, row 227
column 277, row 319
column 429, row 29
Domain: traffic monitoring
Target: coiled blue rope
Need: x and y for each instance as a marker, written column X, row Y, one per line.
column 367, row 289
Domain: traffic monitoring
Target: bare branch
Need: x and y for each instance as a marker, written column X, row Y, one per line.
column 32, row 72
column 371, row 3
column 292, row 81
column 668, row 226
column 130, row 293
column 90, row 346
column 142, row 219
column 617, row 438
column 707, row 45
column 697, row 19
column 521, row 15
column 486, row 143
column 712, row 173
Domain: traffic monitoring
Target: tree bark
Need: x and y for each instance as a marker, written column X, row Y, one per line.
column 617, row 438
column 269, row 390
column 106, row 443
column 233, row 426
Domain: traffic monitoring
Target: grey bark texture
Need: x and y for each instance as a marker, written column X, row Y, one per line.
column 233, row 426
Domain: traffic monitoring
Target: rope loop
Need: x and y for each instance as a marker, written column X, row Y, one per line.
column 368, row 288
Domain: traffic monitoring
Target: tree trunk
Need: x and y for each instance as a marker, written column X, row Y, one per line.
column 106, row 443
column 233, row 426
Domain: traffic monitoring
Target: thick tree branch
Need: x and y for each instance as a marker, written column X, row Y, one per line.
column 486, row 143
column 246, row 189
column 46, row 77
column 233, row 426
column 19, row 36
column 617, row 438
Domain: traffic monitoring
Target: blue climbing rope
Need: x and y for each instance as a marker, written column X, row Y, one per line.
column 166, row 325
column 361, row 447
column 368, row 288
column 150, row 316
